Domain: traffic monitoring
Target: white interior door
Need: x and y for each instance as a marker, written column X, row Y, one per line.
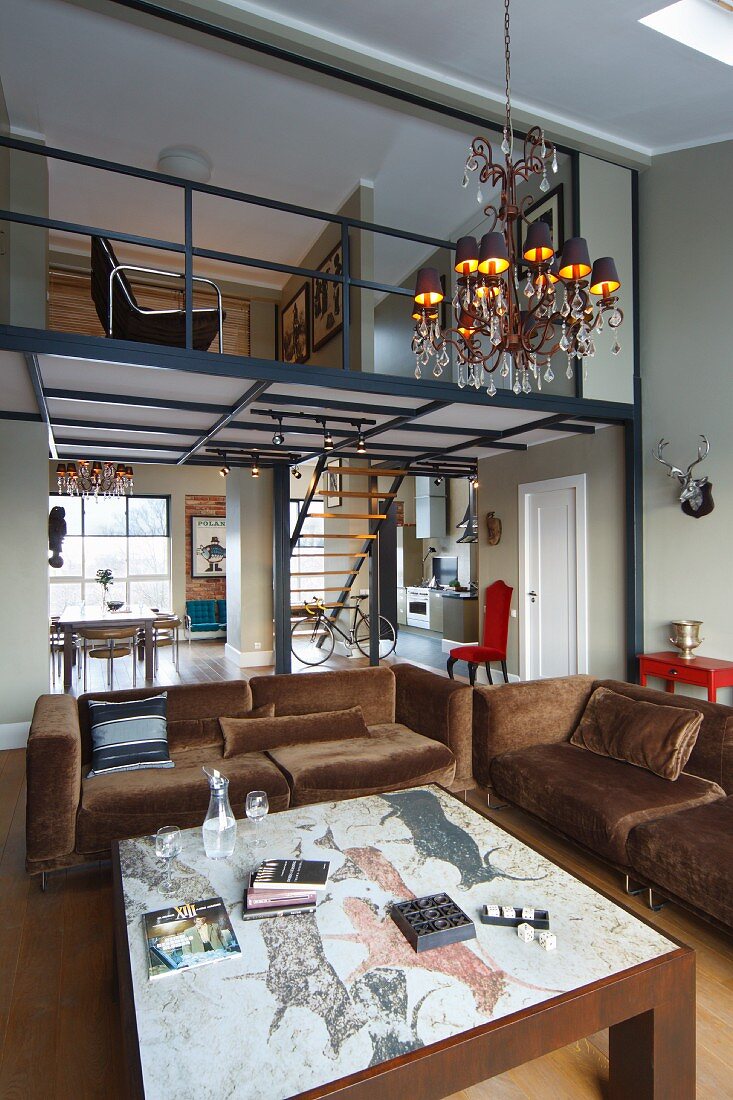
column 553, row 639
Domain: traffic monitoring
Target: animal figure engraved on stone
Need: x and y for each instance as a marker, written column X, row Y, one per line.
column 696, row 498
column 56, row 535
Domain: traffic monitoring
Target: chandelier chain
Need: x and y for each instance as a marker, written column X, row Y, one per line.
column 508, row 132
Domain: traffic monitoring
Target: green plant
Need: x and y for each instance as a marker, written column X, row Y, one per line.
column 104, row 577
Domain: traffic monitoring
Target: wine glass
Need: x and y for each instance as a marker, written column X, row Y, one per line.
column 167, row 847
column 256, row 808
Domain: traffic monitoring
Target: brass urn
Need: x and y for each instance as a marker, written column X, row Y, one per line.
column 686, row 636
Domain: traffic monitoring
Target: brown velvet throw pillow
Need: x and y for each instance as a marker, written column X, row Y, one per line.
column 259, row 734
column 647, row 735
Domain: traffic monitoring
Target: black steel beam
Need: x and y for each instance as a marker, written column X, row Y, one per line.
column 34, row 371
column 95, row 398
column 157, row 357
column 84, row 230
column 316, row 403
column 307, row 501
column 635, row 473
column 281, row 567
column 317, row 417
column 250, row 395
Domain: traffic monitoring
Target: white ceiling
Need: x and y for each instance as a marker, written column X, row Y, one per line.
column 585, row 62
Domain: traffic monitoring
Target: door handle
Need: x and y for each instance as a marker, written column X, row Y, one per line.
column 533, row 596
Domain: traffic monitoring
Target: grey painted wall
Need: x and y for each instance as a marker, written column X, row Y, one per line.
column 687, row 380
column 601, row 458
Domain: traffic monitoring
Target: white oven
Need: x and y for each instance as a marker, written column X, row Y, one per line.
column 418, row 607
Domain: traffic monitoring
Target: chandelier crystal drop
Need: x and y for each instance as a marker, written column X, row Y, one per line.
column 512, row 309
column 94, row 479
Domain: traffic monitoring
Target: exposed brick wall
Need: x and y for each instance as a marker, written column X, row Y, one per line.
column 200, row 588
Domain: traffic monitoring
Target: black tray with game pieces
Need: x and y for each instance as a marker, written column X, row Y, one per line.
column 432, row 921
column 511, row 916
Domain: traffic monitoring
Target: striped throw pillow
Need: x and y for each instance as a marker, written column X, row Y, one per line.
column 127, row 736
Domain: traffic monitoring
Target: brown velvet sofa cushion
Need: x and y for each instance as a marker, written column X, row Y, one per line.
column 691, row 856
column 391, row 758
column 372, row 689
column 647, row 735
column 592, row 799
column 438, row 708
column 712, row 756
column 511, row 716
column 193, row 711
column 259, row 734
column 137, row 803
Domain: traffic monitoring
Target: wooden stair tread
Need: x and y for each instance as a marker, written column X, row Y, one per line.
column 325, row 573
column 364, row 471
column 348, row 493
column 331, row 554
column 318, row 588
column 353, row 515
column 326, row 606
column 329, row 535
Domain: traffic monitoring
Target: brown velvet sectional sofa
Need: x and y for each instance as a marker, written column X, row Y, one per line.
column 419, row 731
column 675, row 837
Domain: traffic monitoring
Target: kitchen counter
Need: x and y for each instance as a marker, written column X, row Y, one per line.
column 460, row 617
column 459, row 595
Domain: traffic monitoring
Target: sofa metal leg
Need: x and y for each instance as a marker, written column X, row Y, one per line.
column 493, row 802
column 655, row 907
column 44, row 881
column 633, row 893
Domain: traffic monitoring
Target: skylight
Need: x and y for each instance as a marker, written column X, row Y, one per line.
column 704, row 25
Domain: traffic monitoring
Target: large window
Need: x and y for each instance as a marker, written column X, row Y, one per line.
column 129, row 535
column 308, row 554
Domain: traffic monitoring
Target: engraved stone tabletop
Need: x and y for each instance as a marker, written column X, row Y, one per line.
column 318, row 996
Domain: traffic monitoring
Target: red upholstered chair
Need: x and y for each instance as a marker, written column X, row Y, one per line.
column 496, row 628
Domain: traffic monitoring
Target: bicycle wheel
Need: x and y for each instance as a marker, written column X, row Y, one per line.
column 312, row 640
column 387, row 637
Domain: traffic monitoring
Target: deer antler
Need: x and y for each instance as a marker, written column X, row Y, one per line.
column 703, row 450
column 674, row 471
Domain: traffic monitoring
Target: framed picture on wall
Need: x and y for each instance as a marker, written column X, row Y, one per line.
column 327, row 300
column 550, row 208
column 295, row 328
column 333, row 498
column 208, row 547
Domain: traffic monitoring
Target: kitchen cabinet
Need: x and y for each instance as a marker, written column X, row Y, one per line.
column 401, row 607
column 436, row 611
column 430, row 517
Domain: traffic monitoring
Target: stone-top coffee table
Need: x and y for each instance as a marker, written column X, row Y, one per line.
column 336, row 1002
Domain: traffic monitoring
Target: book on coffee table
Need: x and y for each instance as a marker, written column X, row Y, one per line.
column 292, row 875
column 188, row 935
column 263, row 902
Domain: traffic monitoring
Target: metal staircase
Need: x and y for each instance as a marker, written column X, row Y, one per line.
column 362, row 543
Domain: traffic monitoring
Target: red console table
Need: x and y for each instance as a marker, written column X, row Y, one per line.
column 704, row 671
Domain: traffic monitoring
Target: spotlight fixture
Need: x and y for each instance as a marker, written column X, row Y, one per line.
column 360, row 443
column 296, row 473
column 474, row 480
column 438, row 481
column 225, row 469
column 278, row 438
column 255, row 465
column 327, row 438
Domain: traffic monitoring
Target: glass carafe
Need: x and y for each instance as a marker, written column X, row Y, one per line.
column 220, row 827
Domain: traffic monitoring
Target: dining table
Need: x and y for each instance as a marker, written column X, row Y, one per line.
column 75, row 618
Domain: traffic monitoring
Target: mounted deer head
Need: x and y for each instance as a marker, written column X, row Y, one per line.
column 696, row 497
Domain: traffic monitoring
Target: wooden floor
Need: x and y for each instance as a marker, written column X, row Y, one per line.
column 204, row 661
column 59, row 1027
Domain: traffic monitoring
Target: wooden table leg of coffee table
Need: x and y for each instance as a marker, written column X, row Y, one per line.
column 652, row 1056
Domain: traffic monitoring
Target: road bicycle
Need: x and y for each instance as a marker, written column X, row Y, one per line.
column 313, row 638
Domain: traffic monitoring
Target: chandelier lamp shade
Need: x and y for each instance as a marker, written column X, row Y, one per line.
column 94, row 479
column 515, row 306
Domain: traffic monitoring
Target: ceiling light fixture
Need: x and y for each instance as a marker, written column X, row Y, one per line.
column 520, row 336
column 255, row 465
column 185, row 161
column 474, row 480
column 278, row 438
column 226, row 468
column 94, row 479
column 438, row 481
column 327, row 438
column 360, row 442
column 296, row 473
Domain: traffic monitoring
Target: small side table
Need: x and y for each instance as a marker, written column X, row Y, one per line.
column 704, row 671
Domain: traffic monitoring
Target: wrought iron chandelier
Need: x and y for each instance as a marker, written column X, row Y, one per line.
column 94, row 479
column 564, row 302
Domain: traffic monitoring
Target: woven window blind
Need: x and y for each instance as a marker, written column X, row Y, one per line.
column 71, row 309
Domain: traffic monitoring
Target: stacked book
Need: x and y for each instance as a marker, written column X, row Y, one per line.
column 281, row 886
